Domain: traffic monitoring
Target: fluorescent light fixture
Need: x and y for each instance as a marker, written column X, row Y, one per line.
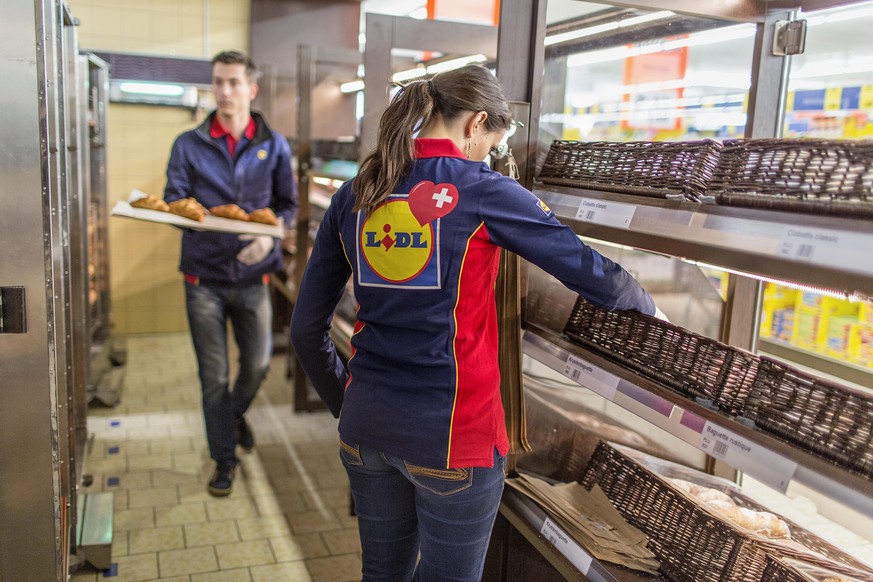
column 408, row 74
column 156, row 89
column 606, row 27
column 352, row 86
column 697, row 39
column 581, row 33
column 830, row 69
column 455, row 64
column 645, row 18
column 840, row 15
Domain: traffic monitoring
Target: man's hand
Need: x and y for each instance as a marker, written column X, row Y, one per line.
column 257, row 250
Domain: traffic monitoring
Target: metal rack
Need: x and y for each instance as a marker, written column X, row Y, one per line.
column 822, row 251
column 813, row 250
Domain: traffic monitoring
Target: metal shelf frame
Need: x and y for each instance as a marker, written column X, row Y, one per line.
column 822, row 251
column 767, row 459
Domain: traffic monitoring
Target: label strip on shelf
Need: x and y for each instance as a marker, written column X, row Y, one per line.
column 821, row 246
column 590, row 376
column 741, row 453
column 564, row 544
column 614, row 214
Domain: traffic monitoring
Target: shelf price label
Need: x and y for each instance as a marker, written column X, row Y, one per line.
column 568, row 547
column 594, row 378
column 740, row 453
column 833, row 248
column 606, row 213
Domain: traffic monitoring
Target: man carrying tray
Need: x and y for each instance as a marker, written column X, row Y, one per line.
column 233, row 157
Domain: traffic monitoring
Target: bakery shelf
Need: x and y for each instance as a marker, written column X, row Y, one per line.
column 560, row 550
column 817, row 361
column 743, row 447
column 823, row 251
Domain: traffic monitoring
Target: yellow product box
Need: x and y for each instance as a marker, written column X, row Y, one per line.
column 811, row 323
column 782, row 325
column 865, row 312
column 777, row 299
column 779, row 296
column 842, row 338
column 864, row 355
column 809, row 299
column 766, row 321
column 805, row 331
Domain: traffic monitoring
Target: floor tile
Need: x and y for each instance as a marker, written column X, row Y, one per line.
column 239, row 575
column 191, row 561
column 241, row 554
column 257, row 528
column 180, row 514
column 210, row 533
column 335, row 568
column 135, row 568
column 153, row 540
column 289, row 571
column 342, row 541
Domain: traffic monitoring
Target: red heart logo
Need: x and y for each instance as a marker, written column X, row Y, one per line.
column 429, row 201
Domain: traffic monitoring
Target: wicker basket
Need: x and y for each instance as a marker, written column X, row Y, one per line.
column 778, row 571
column 691, row 364
column 816, row 176
column 787, row 570
column 692, row 543
column 658, row 169
column 825, row 418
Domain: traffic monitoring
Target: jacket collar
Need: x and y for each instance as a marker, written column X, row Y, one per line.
column 428, row 147
column 262, row 130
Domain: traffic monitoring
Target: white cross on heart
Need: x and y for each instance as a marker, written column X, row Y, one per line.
column 442, row 197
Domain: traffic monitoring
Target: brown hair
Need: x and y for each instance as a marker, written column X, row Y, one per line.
column 448, row 95
column 237, row 58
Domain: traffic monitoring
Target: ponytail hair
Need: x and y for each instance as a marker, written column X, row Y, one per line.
column 448, row 95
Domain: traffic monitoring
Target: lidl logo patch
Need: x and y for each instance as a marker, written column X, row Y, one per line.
column 394, row 249
column 546, row 210
column 262, row 154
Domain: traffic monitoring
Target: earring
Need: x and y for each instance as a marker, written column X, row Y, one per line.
column 469, row 147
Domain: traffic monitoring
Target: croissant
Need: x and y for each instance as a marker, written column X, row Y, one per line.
column 151, row 203
column 757, row 521
column 264, row 216
column 231, row 211
column 189, row 208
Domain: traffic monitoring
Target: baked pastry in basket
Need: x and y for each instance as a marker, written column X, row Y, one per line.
column 231, row 211
column 189, row 208
column 151, row 203
column 264, row 216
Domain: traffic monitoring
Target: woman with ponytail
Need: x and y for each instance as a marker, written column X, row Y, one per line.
column 422, row 433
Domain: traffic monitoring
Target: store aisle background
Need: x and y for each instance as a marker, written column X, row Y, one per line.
column 288, row 517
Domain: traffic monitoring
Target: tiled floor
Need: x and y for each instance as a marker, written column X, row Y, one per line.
column 288, row 517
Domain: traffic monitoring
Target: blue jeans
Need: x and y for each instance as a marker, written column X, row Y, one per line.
column 250, row 313
column 403, row 509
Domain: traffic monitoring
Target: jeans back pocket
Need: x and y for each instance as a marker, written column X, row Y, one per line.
column 349, row 454
column 440, row 481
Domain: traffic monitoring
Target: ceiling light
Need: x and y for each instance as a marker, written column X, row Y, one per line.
column 157, row 89
column 606, row 27
column 408, row 74
column 352, row 86
column 697, row 39
column 455, row 64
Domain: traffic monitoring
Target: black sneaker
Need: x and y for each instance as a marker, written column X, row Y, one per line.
column 221, row 482
column 244, row 435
